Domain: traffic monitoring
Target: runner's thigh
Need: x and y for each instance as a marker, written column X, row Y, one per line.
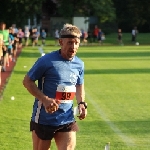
column 39, row 144
column 65, row 140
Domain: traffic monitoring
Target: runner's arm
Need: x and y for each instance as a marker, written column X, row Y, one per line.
column 31, row 86
column 80, row 96
column 80, row 93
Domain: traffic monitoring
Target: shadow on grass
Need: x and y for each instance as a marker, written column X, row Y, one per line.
column 118, row 71
column 30, row 54
column 106, row 71
column 132, row 127
column 115, row 54
column 97, row 54
column 135, row 127
column 20, row 72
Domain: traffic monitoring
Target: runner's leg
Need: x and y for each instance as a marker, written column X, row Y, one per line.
column 39, row 144
column 65, row 140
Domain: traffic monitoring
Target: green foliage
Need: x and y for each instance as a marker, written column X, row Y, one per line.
column 18, row 11
column 132, row 13
column 126, row 13
column 139, row 11
column 104, row 10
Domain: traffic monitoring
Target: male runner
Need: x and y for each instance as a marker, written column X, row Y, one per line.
column 60, row 76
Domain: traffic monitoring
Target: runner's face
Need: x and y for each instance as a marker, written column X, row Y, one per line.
column 2, row 26
column 69, row 47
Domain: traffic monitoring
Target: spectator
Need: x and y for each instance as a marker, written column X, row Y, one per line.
column 26, row 35
column 95, row 33
column 14, row 45
column 15, row 28
column 20, row 35
column 11, row 41
column 43, row 36
column 56, row 37
column 5, row 34
column 35, row 36
column 134, row 34
column 32, row 36
column 85, row 36
column 1, row 53
column 82, row 35
column 99, row 37
column 89, row 36
column 120, row 36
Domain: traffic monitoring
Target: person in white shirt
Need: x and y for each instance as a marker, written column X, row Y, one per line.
column 134, row 34
column 56, row 37
column 26, row 35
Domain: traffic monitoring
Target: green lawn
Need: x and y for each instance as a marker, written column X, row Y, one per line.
column 117, row 92
column 142, row 38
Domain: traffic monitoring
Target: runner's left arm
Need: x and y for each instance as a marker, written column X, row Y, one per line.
column 80, row 96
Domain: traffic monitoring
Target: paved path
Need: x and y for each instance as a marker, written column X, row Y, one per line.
column 5, row 75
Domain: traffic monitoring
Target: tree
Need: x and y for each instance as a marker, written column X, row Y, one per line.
column 18, row 11
column 104, row 10
column 131, row 13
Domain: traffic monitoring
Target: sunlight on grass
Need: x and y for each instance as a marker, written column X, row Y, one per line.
column 117, row 92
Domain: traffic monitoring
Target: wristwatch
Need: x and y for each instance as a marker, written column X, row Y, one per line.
column 85, row 104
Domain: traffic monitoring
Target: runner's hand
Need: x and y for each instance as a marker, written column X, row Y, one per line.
column 82, row 111
column 51, row 105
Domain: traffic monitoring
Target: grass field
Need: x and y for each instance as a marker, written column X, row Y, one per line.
column 111, row 39
column 117, row 84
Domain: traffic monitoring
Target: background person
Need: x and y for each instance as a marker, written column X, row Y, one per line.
column 20, row 35
column 95, row 33
column 1, row 54
column 99, row 37
column 56, row 37
column 35, row 37
column 83, row 38
column 14, row 45
column 15, row 28
column 85, row 41
column 43, row 36
column 134, row 34
column 5, row 34
column 26, row 35
column 11, row 41
column 82, row 35
column 89, row 36
column 120, row 36
column 60, row 76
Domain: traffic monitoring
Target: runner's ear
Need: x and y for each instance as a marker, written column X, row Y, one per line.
column 60, row 42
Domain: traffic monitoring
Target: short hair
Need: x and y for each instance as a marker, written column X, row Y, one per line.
column 69, row 29
column 2, row 23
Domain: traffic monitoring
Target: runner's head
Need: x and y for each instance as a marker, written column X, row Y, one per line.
column 70, row 31
column 2, row 26
column 69, row 41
